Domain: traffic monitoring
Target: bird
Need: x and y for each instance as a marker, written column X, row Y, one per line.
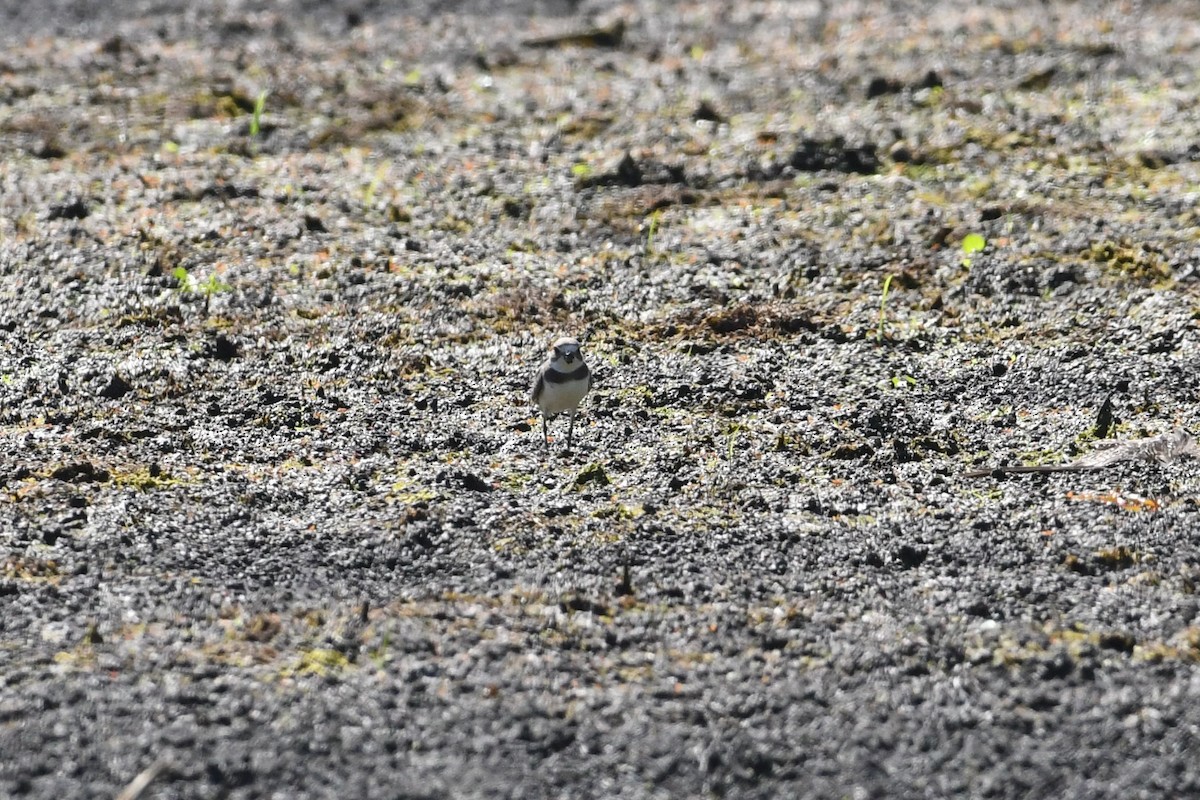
column 561, row 383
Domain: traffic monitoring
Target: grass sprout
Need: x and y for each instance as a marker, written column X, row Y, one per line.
column 651, row 230
column 883, row 296
column 260, row 103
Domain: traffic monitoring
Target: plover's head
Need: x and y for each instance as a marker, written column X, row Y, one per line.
column 565, row 353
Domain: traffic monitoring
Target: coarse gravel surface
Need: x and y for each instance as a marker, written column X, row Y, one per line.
column 277, row 520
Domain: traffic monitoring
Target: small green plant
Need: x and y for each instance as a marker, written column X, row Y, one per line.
column 972, row 243
column 651, row 229
column 260, row 103
column 210, row 287
column 734, row 431
column 187, row 283
column 883, row 296
column 368, row 195
column 380, row 654
column 320, row 662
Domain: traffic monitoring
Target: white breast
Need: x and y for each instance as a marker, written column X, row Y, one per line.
column 559, row 397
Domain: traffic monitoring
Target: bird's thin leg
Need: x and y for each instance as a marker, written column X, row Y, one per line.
column 570, row 428
column 545, row 435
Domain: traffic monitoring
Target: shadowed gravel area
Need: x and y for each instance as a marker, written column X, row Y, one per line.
column 276, row 517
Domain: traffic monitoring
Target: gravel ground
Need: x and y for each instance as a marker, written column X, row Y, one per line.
column 277, row 516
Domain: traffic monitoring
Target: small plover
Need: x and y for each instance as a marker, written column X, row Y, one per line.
column 561, row 383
